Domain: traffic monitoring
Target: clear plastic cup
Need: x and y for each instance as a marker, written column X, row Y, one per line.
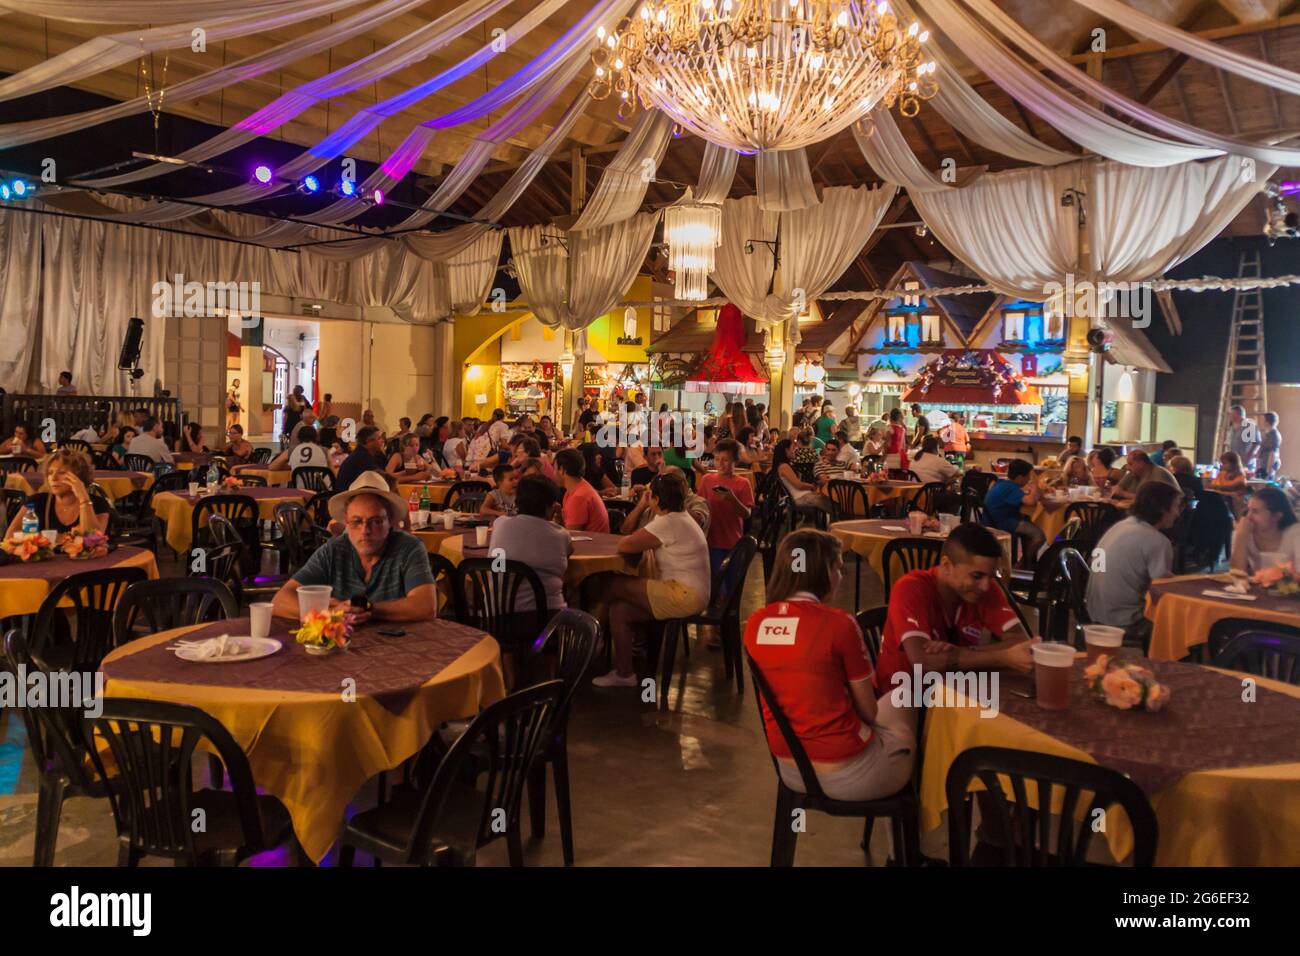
column 1052, row 666
column 1102, row 639
column 947, row 523
column 51, row 535
column 194, row 489
column 448, row 520
column 481, row 535
column 259, row 616
column 916, row 522
column 313, row 597
column 422, row 518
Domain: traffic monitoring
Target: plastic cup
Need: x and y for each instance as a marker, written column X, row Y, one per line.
column 51, row 535
column 1052, row 666
column 259, row 615
column 313, row 597
column 1102, row 639
column 422, row 518
column 948, row 522
column 194, row 489
column 916, row 522
column 481, row 536
column 449, row 520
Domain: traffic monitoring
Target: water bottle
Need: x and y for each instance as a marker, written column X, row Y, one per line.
column 626, row 489
column 31, row 524
column 214, row 478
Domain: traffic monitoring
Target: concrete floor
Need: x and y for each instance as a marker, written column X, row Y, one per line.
column 693, row 786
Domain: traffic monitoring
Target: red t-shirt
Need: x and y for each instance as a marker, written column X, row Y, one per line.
column 897, row 445
column 915, row 608
column 725, row 523
column 584, row 510
column 809, row 651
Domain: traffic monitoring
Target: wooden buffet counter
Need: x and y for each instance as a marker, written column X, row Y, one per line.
column 988, row 446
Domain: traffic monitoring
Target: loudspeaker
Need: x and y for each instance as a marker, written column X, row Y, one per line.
column 130, row 356
column 1099, row 340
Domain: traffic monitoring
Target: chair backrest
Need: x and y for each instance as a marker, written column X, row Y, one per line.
column 153, row 744
column 1209, row 531
column 872, row 623
column 811, row 785
column 572, row 636
column 617, row 512
column 724, row 601
column 173, row 481
column 260, row 456
column 1225, row 629
column 775, row 519
column 252, row 481
column 485, row 598
column 1065, row 587
column 979, row 482
column 318, row 507
column 927, row 498
column 1029, row 832
column 76, row 444
column 53, row 733
column 13, row 466
column 972, row 507
column 312, row 478
column 239, row 510
column 148, row 607
column 83, row 603
column 848, row 497
column 911, row 554
column 12, row 501
column 136, row 462
column 1263, row 653
column 1014, row 604
column 511, row 734
column 466, row 496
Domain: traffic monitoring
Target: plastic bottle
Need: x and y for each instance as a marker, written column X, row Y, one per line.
column 31, row 524
column 626, row 489
column 426, row 504
column 413, row 503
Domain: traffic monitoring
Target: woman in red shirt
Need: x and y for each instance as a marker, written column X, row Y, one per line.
column 896, row 442
column 816, row 663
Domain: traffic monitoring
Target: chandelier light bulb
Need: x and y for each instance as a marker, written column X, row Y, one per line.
column 925, row 35
column 914, row 29
column 600, row 33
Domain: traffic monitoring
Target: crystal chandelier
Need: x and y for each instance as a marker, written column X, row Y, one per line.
column 764, row 74
column 693, row 230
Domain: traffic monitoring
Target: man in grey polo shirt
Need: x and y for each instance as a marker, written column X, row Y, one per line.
column 383, row 568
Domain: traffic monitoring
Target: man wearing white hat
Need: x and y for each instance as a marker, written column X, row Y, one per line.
column 378, row 568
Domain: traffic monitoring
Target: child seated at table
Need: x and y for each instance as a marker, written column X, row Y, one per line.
column 501, row 499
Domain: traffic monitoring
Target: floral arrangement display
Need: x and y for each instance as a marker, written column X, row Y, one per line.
column 323, row 632
column 231, row 483
column 448, row 473
column 1280, row 580
column 30, row 547
column 1125, row 686
column 883, row 365
column 83, row 547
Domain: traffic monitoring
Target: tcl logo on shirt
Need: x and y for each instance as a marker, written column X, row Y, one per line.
column 778, row 630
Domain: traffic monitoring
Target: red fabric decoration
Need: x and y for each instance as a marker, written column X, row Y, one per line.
column 725, row 367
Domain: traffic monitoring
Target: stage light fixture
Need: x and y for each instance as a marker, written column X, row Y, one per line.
column 378, row 197
column 262, row 174
column 310, row 184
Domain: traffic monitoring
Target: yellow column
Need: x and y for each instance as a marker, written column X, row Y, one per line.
column 782, row 384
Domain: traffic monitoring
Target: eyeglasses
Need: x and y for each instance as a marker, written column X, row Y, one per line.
column 374, row 524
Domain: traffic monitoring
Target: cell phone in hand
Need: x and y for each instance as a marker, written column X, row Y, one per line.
column 392, row 632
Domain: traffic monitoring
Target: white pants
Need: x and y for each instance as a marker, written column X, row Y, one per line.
column 881, row 770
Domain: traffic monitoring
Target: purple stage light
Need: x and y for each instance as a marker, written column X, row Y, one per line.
column 262, row 174
column 379, row 197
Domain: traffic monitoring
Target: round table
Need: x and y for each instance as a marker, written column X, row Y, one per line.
column 176, row 509
column 593, row 553
column 1182, row 614
column 1052, row 521
column 437, row 490
column 116, row 484
column 868, row 539
column 279, row 476
column 1215, row 804
column 879, row 492
column 189, row 460
column 306, row 743
column 24, row 585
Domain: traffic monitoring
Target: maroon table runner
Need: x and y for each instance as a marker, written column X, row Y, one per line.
column 389, row 669
column 1263, row 601
column 56, row 569
column 1206, row 726
column 138, row 478
column 257, row 493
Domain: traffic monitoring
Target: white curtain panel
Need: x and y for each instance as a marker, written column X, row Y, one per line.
column 1144, row 25
column 975, row 118
column 105, row 52
column 1075, row 119
column 717, row 173
column 1010, row 227
column 744, row 277
column 571, row 288
column 20, row 295
column 468, row 274
column 268, row 61
column 784, row 180
column 140, row 11
column 1013, row 31
column 624, row 182
column 887, row 152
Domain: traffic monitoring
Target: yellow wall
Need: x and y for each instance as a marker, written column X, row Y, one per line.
column 343, row 351
column 604, row 332
column 402, row 372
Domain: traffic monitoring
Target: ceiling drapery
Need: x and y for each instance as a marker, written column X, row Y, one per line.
column 624, row 182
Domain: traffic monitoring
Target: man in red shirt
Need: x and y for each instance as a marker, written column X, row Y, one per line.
column 584, row 510
column 730, row 497
column 936, row 616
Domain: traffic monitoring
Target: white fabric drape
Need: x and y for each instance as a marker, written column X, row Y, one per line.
column 139, row 11
column 20, row 295
column 571, row 288
column 468, row 275
column 717, row 173
column 624, row 182
column 784, row 180
column 1263, row 152
column 887, row 152
column 817, row 245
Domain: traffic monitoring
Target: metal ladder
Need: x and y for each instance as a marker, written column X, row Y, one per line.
column 1245, row 380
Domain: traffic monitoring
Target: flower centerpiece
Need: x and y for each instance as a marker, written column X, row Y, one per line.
column 83, row 547
column 29, row 547
column 449, row 474
column 323, row 632
column 1124, row 685
column 231, row 483
column 1281, row 580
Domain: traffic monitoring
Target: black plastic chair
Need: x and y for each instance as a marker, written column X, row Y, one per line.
column 76, row 444
column 154, row 804
column 446, row 821
column 1207, row 536
column 1095, row 518
column 135, row 462
column 571, row 636
column 240, row 510
column 1225, row 629
column 978, row 482
column 617, row 512
column 723, row 612
column 12, row 501
column 312, row 478
column 59, row 753
column 17, row 465
column 849, row 498
column 1264, row 653
column 972, row 508
column 260, row 456
column 485, row 598
column 299, row 535
column 318, row 508
column 252, row 481
column 73, row 627
column 176, row 481
column 1029, row 831
column 902, row 808
column 776, row 517
column 872, row 624
column 148, row 607
column 911, row 554
column 243, row 578
column 1062, row 595
column 466, row 496
column 927, row 498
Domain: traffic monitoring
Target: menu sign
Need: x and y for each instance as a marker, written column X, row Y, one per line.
column 959, row 376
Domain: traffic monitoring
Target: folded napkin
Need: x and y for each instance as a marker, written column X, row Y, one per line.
column 579, row 537
column 214, row 648
column 892, row 527
column 1230, row 595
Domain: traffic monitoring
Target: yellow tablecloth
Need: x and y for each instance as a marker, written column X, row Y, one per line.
column 434, row 537
column 1182, row 622
column 314, row 751
column 581, row 565
column 20, row 595
column 868, row 539
column 1051, row 522
column 1232, row 817
column 115, row 484
column 437, row 490
column 176, row 512
column 280, row 476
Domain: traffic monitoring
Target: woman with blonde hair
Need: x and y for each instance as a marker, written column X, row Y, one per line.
column 68, row 504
